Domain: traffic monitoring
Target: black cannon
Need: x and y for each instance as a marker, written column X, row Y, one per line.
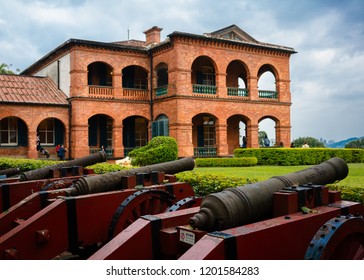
column 10, row 172
column 111, row 181
column 252, row 202
column 43, row 173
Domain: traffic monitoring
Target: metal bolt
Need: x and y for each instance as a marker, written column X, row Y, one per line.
column 42, row 236
column 11, row 254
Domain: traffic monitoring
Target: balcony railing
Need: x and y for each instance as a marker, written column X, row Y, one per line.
column 241, row 92
column 269, row 94
column 161, row 90
column 101, row 92
column 204, row 151
column 204, row 89
column 136, row 94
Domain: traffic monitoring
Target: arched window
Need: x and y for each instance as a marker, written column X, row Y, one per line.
column 160, row 127
column 46, row 132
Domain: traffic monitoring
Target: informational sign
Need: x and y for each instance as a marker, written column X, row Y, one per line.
column 187, row 237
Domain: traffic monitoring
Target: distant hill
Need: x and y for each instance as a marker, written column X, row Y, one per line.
column 342, row 143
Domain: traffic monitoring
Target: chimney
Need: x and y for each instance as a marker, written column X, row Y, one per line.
column 153, row 35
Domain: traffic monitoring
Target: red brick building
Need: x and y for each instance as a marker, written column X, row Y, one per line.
column 200, row 89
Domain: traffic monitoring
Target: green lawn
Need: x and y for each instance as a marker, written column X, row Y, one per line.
column 352, row 187
column 354, row 179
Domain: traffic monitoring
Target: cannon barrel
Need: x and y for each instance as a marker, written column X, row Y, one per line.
column 111, row 181
column 249, row 203
column 43, row 173
column 10, row 171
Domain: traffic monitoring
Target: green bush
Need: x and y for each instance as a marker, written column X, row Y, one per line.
column 226, row 162
column 25, row 164
column 204, row 184
column 104, row 167
column 299, row 156
column 159, row 149
column 349, row 193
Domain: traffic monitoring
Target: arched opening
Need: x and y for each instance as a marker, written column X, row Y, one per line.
column 203, row 75
column 204, row 135
column 99, row 74
column 135, row 77
column 100, row 128
column 237, row 79
column 162, row 79
column 135, row 133
column 267, row 130
column 267, row 82
column 236, row 132
column 51, row 132
column 160, row 127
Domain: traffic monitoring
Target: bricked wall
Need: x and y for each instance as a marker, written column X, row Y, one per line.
column 32, row 116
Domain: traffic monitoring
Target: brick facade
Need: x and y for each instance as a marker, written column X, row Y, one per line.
column 118, row 90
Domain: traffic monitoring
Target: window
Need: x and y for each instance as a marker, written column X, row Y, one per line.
column 209, row 132
column 208, row 78
column 9, row 131
column 46, row 132
column 141, row 134
column 160, row 126
column 140, row 79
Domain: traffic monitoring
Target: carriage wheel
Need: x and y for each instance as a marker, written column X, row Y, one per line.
column 341, row 238
column 144, row 202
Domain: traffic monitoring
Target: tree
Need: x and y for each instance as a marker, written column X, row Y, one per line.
column 4, row 69
column 312, row 142
column 261, row 135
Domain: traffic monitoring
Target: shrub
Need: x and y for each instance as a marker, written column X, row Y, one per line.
column 349, row 193
column 25, row 164
column 226, row 162
column 204, row 184
column 159, row 149
column 299, row 156
column 104, row 167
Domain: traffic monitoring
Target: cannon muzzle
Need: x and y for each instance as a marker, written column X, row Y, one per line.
column 10, row 171
column 249, row 203
column 43, row 173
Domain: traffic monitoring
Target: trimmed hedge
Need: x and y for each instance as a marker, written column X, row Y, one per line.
column 299, row 156
column 204, row 184
column 25, row 164
column 104, row 167
column 159, row 149
column 226, row 162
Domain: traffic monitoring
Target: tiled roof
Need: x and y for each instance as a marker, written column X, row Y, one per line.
column 30, row 90
column 136, row 43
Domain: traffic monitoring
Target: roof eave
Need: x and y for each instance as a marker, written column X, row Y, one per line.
column 79, row 42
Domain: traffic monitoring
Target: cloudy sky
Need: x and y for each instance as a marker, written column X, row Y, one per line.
column 327, row 80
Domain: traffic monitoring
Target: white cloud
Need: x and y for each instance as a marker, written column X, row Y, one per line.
column 326, row 78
